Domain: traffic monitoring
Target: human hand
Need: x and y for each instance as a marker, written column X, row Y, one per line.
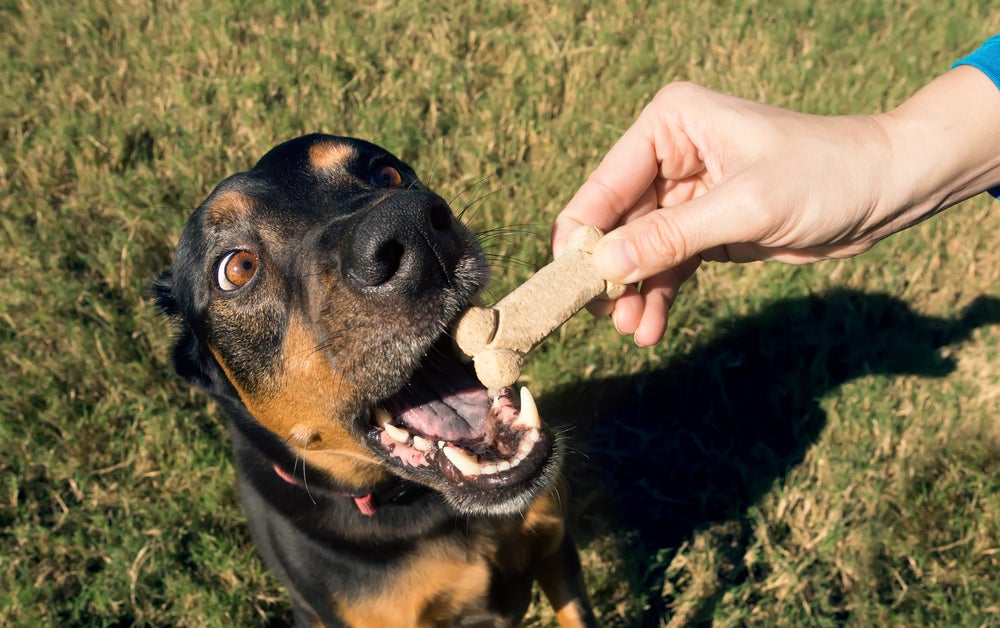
column 705, row 176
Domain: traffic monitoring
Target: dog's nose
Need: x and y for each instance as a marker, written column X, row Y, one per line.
column 406, row 242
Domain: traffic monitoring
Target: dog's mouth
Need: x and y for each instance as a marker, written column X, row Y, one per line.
column 443, row 421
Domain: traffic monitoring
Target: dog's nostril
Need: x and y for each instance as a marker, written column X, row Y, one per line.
column 388, row 258
column 377, row 266
column 404, row 243
column 440, row 218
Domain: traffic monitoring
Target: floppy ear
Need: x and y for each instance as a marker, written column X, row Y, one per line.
column 163, row 294
column 192, row 359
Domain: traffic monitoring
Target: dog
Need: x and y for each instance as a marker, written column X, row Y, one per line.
column 312, row 297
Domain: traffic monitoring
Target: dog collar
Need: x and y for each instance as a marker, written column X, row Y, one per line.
column 367, row 503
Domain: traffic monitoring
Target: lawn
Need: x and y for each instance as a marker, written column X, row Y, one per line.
column 808, row 446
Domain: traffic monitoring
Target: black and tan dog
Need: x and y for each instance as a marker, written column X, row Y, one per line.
column 381, row 483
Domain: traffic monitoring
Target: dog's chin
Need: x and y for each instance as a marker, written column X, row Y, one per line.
column 486, row 454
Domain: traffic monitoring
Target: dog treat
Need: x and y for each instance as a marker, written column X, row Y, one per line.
column 497, row 338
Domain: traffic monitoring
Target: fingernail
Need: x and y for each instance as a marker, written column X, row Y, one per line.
column 615, row 259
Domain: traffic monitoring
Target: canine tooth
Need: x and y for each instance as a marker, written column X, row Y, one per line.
column 397, row 434
column 381, row 416
column 528, row 418
column 422, row 443
column 468, row 465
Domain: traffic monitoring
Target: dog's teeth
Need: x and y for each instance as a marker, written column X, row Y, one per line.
column 423, row 444
column 528, row 418
column 527, row 444
column 381, row 416
column 503, row 466
column 397, row 434
column 489, row 469
column 441, row 444
column 468, row 465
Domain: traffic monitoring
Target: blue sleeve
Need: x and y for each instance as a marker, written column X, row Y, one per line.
column 986, row 59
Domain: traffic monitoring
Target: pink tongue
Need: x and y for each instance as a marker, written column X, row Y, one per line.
column 455, row 416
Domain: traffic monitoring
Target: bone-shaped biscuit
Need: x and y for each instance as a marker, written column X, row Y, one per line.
column 498, row 337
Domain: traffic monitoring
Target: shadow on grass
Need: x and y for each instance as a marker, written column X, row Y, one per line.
column 668, row 452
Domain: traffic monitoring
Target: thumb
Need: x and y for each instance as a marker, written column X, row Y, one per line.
column 668, row 236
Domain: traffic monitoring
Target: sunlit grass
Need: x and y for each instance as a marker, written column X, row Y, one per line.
column 808, row 446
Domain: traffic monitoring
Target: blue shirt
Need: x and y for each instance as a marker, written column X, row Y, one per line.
column 986, row 59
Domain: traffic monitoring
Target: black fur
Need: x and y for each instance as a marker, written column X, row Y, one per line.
column 358, row 271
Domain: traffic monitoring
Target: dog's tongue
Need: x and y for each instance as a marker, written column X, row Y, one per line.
column 443, row 401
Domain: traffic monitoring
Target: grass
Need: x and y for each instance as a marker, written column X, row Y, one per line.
column 809, row 446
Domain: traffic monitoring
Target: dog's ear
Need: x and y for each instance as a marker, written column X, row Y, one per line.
column 163, row 294
column 192, row 359
column 195, row 363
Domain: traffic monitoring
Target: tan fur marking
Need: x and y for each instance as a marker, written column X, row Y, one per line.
column 329, row 155
column 539, row 535
column 229, row 207
column 546, row 518
column 559, row 588
column 563, row 590
column 441, row 580
column 305, row 407
column 432, row 588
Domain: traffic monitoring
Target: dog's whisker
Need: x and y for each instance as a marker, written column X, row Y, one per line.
column 507, row 261
column 527, row 228
column 477, row 203
column 305, row 484
column 305, row 480
column 472, row 186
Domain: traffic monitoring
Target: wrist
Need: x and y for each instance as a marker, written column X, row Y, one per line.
column 944, row 146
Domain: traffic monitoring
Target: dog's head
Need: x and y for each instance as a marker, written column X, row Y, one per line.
column 316, row 292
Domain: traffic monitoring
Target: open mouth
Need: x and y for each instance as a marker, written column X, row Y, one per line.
column 444, row 421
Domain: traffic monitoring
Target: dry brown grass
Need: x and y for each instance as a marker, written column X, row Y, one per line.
column 810, row 446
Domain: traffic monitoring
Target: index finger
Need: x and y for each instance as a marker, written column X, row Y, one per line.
column 614, row 187
column 656, row 145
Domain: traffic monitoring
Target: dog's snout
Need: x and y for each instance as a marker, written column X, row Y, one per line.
column 405, row 243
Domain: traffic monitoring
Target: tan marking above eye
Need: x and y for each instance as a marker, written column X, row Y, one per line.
column 329, row 155
column 229, row 207
column 236, row 270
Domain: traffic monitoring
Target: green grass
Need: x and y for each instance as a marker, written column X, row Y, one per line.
column 809, row 446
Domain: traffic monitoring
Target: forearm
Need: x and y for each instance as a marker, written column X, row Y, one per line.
column 944, row 147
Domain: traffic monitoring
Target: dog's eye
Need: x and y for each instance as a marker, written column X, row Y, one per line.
column 386, row 177
column 236, row 270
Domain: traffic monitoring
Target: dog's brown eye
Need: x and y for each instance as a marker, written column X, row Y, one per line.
column 386, row 177
column 237, row 269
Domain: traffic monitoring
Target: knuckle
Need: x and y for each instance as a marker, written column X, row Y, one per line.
column 662, row 241
column 678, row 90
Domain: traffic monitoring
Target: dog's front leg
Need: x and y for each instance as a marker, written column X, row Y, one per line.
column 561, row 577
